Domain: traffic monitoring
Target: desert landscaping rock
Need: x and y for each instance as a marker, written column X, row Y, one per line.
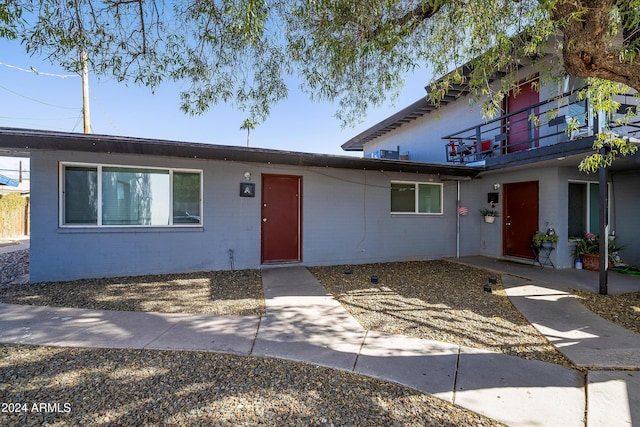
column 135, row 387
column 213, row 292
column 437, row 300
column 623, row 310
column 13, row 265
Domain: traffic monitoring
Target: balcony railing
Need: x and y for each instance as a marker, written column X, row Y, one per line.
column 542, row 124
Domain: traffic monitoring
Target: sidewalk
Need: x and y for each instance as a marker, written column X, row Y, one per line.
column 13, row 245
column 610, row 353
column 304, row 323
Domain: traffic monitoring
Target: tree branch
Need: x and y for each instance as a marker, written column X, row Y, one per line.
column 587, row 51
column 413, row 18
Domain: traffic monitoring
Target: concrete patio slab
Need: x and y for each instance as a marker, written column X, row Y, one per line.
column 613, row 398
column 585, row 338
column 519, row 392
column 555, row 278
column 428, row 366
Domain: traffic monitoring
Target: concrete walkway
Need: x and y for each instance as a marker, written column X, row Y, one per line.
column 13, row 245
column 610, row 353
column 304, row 322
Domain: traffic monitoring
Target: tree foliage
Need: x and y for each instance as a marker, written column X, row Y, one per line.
column 243, row 52
column 10, row 15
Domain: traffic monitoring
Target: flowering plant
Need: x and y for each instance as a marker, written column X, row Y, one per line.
column 549, row 236
column 590, row 244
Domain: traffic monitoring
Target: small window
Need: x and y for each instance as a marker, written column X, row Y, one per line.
column 416, row 197
column 129, row 196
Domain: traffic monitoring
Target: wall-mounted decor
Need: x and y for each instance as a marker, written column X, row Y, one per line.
column 247, row 189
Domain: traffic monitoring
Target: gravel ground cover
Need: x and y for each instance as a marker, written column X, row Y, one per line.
column 131, row 387
column 13, row 264
column 623, row 310
column 214, row 292
column 437, row 300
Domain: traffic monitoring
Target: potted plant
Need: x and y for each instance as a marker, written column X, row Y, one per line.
column 489, row 215
column 545, row 240
column 588, row 249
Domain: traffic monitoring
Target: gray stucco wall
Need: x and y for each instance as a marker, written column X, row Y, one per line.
column 346, row 219
column 552, row 208
column 626, row 191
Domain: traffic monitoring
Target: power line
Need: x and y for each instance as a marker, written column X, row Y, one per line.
column 37, row 118
column 32, row 70
column 36, row 100
column 14, row 170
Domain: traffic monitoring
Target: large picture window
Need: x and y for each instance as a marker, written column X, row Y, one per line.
column 416, row 197
column 106, row 195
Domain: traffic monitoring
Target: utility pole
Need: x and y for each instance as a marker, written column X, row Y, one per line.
column 85, row 91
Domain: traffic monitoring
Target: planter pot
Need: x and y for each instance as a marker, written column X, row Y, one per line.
column 546, row 244
column 590, row 262
column 489, row 219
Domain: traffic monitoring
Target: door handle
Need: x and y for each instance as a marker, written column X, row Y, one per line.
column 507, row 223
column 264, row 219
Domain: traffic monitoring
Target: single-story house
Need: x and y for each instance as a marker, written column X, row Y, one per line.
column 114, row 206
column 529, row 163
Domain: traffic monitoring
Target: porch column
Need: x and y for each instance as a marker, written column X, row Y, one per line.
column 603, row 174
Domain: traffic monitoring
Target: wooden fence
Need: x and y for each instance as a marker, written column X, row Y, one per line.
column 14, row 215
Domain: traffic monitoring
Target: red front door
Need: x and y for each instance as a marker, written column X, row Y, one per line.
column 519, row 125
column 281, row 218
column 520, row 218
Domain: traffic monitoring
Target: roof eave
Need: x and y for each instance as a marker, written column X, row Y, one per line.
column 25, row 141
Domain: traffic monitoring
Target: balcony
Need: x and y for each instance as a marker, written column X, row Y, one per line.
column 538, row 132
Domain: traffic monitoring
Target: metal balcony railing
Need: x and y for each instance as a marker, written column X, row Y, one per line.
column 541, row 124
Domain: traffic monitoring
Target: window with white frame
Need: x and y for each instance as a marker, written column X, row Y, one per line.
column 583, row 212
column 416, row 197
column 108, row 195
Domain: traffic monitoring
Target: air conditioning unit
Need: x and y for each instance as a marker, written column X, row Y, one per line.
column 389, row 154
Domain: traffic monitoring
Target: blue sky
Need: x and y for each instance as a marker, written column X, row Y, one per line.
column 40, row 101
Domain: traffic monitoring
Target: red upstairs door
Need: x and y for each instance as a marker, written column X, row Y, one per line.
column 520, row 218
column 518, row 132
column 281, row 218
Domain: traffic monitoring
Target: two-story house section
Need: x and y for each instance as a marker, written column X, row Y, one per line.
column 530, row 164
